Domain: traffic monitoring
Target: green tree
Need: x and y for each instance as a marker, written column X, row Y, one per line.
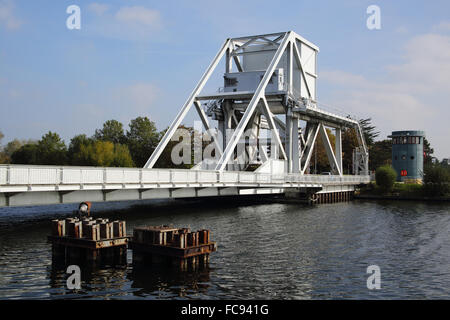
column 428, row 152
column 88, row 152
column 142, row 138
column 165, row 159
column 377, row 155
column 112, row 131
column 3, row 157
column 12, row 147
column 324, row 163
column 436, row 180
column 349, row 143
column 99, row 153
column 75, row 156
column 319, row 160
column 122, row 156
column 51, row 150
column 385, row 177
column 15, row 145
column 368, row 131
column 27, row 154
column 445, row 163
column 380, row 154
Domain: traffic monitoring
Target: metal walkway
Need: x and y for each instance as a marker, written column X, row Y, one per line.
column 37, row 185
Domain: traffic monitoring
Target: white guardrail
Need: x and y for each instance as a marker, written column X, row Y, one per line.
column 19, row 175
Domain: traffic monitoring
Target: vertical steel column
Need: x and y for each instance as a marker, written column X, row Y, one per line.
column 228, row 61
column 338, row 149
column 288, row 138
column 295, row 146
column 290, row 68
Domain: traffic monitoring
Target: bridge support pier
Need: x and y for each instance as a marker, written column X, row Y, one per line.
column 332, row 197
column 328, row 194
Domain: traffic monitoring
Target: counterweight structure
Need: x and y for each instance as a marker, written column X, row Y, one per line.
column 268, row 106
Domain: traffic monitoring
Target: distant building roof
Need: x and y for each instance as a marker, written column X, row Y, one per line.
column 407, row 133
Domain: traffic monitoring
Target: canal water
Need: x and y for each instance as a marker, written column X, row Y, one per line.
column 265, row 251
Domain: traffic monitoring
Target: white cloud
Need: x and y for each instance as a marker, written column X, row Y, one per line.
column 7, row 16
column 427, row 65
column 98, row 8
column 413, row 94
column 138, row 99
column 343, row 78
column 443, row 26
column 139, row 15
column 401, row 30
column 127, row 23
column 15, row 93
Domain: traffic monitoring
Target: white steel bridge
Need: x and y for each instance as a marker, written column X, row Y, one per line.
column 37, row 185
column 269, row 88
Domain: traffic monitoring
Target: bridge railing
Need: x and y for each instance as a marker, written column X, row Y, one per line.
column 55, row 175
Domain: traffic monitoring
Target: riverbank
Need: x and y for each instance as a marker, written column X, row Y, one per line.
column 398, row 197
column 403, row 191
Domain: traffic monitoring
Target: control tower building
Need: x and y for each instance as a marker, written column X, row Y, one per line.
column 407, row 155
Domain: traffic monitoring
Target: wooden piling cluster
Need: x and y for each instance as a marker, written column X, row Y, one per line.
column 88, row 238
column 178, row 247
column 332, row 197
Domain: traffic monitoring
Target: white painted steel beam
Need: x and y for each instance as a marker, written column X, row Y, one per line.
column 329, row 150
column 229, row 150
column 175, row 124
column 269, row 117
column 309, row 147
column 35, row 185
column 338, row 149
column 300, row 65
column 295, row 146
column 207, row 126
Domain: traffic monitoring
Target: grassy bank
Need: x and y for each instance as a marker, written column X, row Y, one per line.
column 402, row 191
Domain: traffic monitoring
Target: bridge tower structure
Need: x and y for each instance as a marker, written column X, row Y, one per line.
column 263, row 122
column 267, row 113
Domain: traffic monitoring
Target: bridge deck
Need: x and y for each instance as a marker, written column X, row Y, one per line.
column 29, row 185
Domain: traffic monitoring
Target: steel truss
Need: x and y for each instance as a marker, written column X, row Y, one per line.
column 239, row 112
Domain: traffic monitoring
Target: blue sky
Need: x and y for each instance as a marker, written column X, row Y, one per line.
column 142, row 58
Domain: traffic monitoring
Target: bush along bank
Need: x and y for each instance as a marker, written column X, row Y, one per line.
column 435, row 186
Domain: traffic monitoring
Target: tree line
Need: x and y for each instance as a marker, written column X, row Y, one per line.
column 113, row 146
column 110, row 146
